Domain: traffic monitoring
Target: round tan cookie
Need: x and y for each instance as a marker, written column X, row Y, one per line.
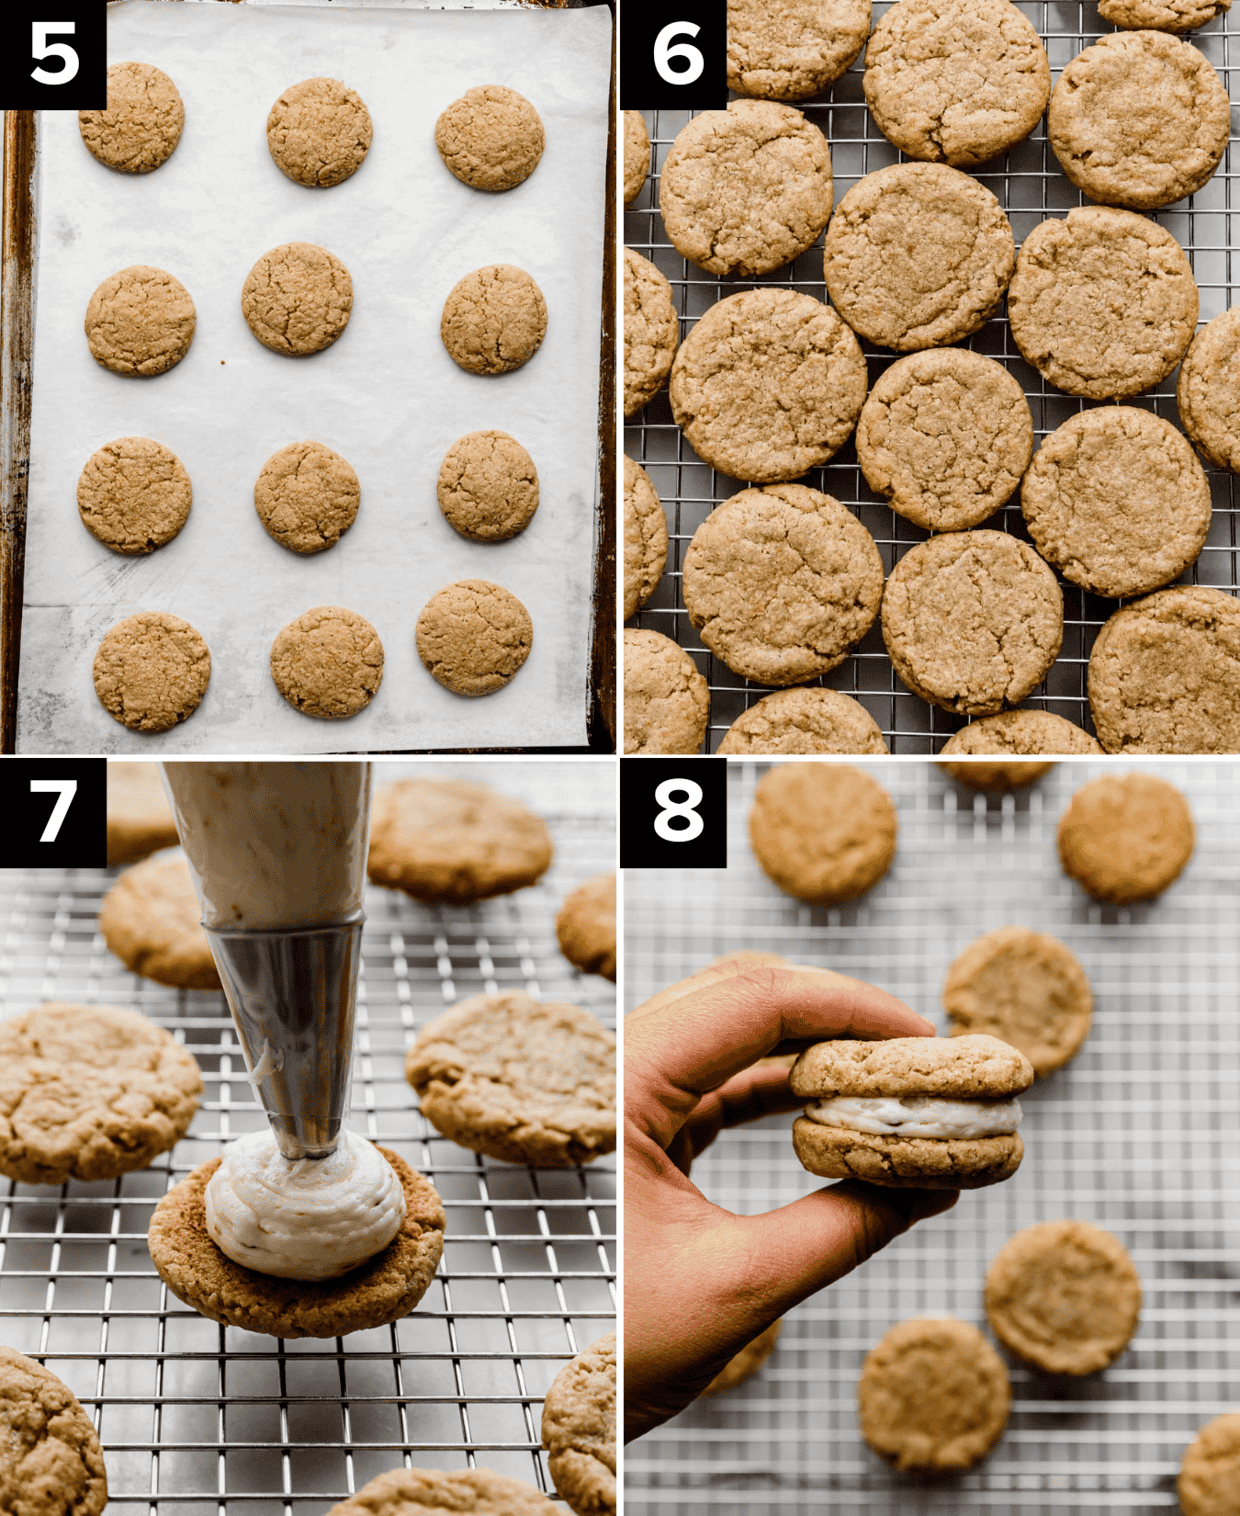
column 1162, row 15
column 1209, row 1482
column 666, row 699
column 1139, row 119
column 89, row 1092
column 1018, row 732
column 306, row 497
column 933, row 1396
column 972, row 621
column 956, row 81
column 139, row 816
column 1025, row 988
column 1207, row 392
column 917, row 255
column 1116, row 500
column 491, row 138
column 906, row 1163
column 382, row 1290
column 782, row 583
column 795, row 49
column 1103, row 302
column 519, row 1080
column 318, row 132
column 328, row 662
column 151, row 920
column 748, row 1361
column 1126, row 837
column 579, row 1429
column 945, row 435
column 636, row 154
column 473, row 636
column 142, row 124
column 645, row 538
column 488, row 487
column 586, row 926
column 746, row 189
column 968, row 1068
column 140, row 321
column 50, row 1460
column 1006, row 774
column 768, row 385
column 494, row 320
column 1063, row 1296
column 297, row 299
column 1164, row 674
column 134, row 495
column 804, row 721
column 453, row 842
column 151, row 671
column 824, row 832
column 651, row 331
column 471, row 1492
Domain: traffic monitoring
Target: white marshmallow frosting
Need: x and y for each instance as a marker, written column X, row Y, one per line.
column 918, row 1115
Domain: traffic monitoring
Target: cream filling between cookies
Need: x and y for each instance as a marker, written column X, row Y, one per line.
column 918, row 1115
column 313, row 1218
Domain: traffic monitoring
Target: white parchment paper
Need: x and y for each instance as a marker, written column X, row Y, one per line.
column 386, row 395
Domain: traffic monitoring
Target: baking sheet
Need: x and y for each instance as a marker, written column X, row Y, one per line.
column 386, row 395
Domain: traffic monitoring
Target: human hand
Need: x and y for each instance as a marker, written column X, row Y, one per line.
column 699, row 1281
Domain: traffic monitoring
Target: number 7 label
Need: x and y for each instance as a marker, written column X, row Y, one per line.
column 65, row 790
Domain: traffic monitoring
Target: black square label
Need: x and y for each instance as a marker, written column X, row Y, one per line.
column 674, row 813
column 674, row 56
column 54, row 55
column 55, row 812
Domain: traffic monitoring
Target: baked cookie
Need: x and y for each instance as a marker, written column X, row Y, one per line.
column 636, row 154
column 1024, row 988
column 945, row 435
column 491, row 138
column 151, row 671
column 473, row 636
column 1103, row 303
column 1003, row 775
column 89, row 1092
column 1164, row 674
column 933, row 1396
column 645, row 538
column 494, row 320
column 579, row 1429
column 318, row 132
column 972, row 621
column 381, row 1290
column 956, row 81
column 1126, row 837
column 1209, row 1482
column 782, row 583
column 451, row 842
column 1162, row 15
column 473, row 1492
column 586, row 926
column 824, row 832
column 1017, row 732
column 519, row 1080
column 746, row 189
column 152, row 921
column 487, row 487
column 917, row 255
column 140, row 321
column 328, row 662
column 50, row 1459
column 139, row 816
column 804, row 721
column 1116, row 500
column 1207, row 392
column 754, row 1354
column 297, row 299
column 651, row 331
column 134, row 495
column 306, row 497
column 923, row 1113
column 666, row 699
column 1063, row 1296
column 793, row 50
column 142, row 123
column 768, row 385
column 1139, row 119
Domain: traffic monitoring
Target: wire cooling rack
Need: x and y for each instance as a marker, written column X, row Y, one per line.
column 201, row 1420
column 1138, row 1134
column 1030, row 186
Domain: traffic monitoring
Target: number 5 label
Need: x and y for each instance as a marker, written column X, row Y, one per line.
column 674, row 56
column 54, row 55
column 674, row 813
column 40, row 47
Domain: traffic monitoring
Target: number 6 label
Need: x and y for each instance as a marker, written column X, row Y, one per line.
column 665, row 51
column 674, row 56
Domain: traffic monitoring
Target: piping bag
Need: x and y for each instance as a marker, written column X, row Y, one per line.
column 277, row 852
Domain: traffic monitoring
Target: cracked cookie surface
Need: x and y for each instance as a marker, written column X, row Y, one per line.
column 494, row 320
column 585, row 926
column 134, row 495
column 297, row 299
column 579, row 1429
column 328, row 662
column 795, row 49
column 151, row 671
column 1162, row 15
column 645, row 538
column 491, row 138
column 487, row 487
column 636, row 154
column 142, row 124
column 921, row 1163
column 824, row 832
column 804, row 721
column 152, row 921
column 140, row 321
column 318, row 132
column 1018, row 732
column 474, row 636
column 50, row 1460
column 969, row 1068
column 1207, row 393
column 651, row 331
column 666, row 699
column 306, row 497
column 469, row 1492
column 1126, row 837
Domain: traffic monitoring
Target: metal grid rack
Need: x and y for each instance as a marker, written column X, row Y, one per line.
column 201, row 1420
column 1030, row 186
column 1138, row 1134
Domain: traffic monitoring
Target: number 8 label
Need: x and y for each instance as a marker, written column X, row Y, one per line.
column 686, row 809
